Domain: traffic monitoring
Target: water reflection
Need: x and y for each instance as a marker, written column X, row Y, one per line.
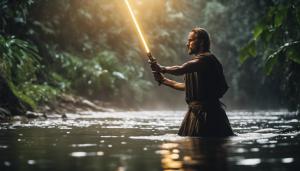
column 147, row 141
column 194, row 154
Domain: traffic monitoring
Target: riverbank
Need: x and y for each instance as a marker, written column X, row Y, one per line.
column 66, row 103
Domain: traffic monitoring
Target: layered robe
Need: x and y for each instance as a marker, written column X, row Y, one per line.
column 204, row 87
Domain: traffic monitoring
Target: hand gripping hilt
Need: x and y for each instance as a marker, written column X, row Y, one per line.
column 152, row 60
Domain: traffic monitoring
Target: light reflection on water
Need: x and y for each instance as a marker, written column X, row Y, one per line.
column 147, row 141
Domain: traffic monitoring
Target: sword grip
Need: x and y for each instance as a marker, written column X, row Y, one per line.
column 150, row 57
column 152, row 60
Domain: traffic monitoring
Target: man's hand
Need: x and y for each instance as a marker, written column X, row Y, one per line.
column 158, row 77
column 156, row 67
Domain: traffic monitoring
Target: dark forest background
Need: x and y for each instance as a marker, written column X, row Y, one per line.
column 90, row 48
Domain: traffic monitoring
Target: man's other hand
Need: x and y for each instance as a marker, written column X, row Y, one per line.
column 158, row 77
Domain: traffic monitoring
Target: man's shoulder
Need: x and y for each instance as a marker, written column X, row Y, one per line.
column 202, row 57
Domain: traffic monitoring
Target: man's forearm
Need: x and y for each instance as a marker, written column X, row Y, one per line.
column 187, row 67
column 173, row 84
column 174, row 70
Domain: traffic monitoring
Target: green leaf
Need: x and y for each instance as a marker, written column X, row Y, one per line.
column 270, row 64
column 248, row 51
column 280, row 15
column 25, row 99
column 293, row 54
column 258, row 30
column 278, row 19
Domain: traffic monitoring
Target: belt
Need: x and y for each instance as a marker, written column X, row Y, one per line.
column 197, row 109
column 195, row 105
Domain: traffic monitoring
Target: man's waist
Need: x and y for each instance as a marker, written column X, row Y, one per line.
column 203, row 103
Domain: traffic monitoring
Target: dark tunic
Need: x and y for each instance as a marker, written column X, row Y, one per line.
column 205, row 116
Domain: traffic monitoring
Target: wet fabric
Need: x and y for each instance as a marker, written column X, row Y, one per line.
column 208, row 82
column 205, row 116
column 205, row 119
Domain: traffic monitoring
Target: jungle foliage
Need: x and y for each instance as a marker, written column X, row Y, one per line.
column 90, row 48
column 276, row 39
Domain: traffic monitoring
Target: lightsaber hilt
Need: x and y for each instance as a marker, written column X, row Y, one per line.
column 152, row 60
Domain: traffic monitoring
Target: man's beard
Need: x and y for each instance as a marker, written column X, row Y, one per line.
column 192, row 51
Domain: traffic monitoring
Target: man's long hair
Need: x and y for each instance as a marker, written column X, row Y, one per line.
column 203, row 38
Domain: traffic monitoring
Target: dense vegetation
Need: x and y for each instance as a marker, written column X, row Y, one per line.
column 276, row 39
column 90, row 48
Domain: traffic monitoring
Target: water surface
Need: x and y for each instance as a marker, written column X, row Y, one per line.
column 147, row 141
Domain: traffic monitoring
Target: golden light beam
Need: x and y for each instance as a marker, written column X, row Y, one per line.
column 137, row 26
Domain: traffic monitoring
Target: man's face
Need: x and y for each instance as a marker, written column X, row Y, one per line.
column 192, row 44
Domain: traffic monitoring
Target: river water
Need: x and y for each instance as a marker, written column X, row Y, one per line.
column 147, row 141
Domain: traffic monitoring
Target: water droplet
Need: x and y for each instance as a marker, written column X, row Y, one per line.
column 100, row 153
column 7, row 163
column 3, row 146
column 175, row 151
column 287, row 160
column 254, row 149
column 272, row 146
column 83, row 145
column 31, row 162
column 249, row 162
column 262, row 141
column 240, row 150
column 187, row 158
column 78, row 154
column 169, row 145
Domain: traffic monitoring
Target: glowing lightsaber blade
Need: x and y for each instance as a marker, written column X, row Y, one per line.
column 151, row 58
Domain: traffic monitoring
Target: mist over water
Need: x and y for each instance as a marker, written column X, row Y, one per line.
column 147, row 140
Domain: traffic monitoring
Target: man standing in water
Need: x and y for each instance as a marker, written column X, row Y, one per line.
column 204, row 85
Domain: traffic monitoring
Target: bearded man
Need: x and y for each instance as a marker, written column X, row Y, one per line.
column 204, row 85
